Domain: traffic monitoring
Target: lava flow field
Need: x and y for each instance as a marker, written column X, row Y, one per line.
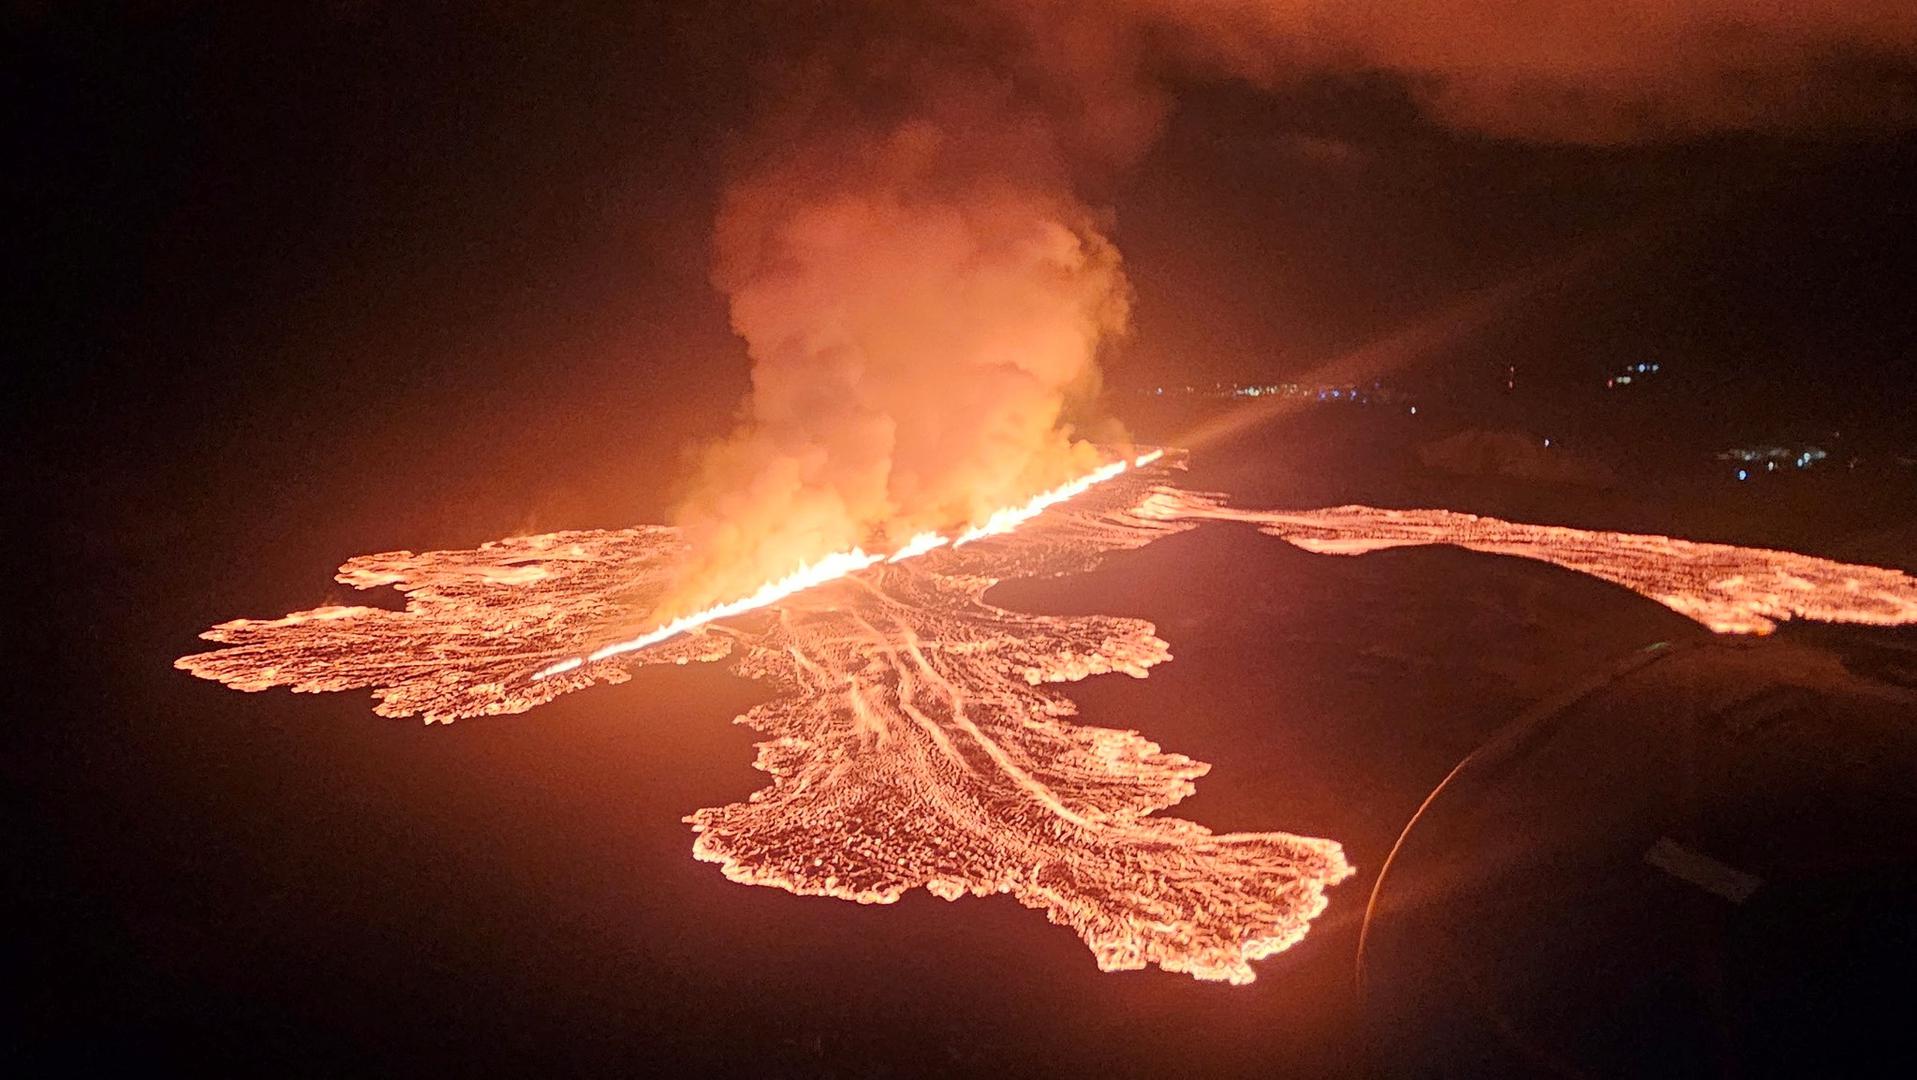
column 917, row 736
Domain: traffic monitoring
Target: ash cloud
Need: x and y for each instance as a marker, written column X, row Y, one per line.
column 924, row 283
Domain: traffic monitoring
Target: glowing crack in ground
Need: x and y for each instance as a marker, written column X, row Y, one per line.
column 914, row 739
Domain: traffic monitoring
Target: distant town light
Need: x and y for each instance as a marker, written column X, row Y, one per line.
column 1349, row 393
column 1743, row 474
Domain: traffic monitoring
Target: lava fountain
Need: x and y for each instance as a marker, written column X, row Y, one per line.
column 915, row 737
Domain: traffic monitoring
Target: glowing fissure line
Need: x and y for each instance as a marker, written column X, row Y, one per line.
column 918, row 545
column 840, row 564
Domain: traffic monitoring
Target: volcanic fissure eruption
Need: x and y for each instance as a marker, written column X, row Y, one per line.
column 840, row 563
column 916, row 253
column 913, row 737
column 923, row 285
column 923, row 295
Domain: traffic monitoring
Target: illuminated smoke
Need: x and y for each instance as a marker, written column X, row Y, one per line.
column 923, row 295
column 841, row 564
column 923, row 284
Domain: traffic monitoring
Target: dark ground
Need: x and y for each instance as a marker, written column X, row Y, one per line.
column 291, row 884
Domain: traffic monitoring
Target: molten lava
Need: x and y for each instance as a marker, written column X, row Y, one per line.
column 1732, row 590
column 913, row 735
column 839, row 564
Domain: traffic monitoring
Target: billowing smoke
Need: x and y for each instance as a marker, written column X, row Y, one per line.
column 924, row 287
column 923, row 295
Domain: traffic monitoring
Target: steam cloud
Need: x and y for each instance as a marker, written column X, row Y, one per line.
column 923, row 285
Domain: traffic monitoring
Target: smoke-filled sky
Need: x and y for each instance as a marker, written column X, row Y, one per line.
column 806, row 275
column 1611, row 72
column 916, row 248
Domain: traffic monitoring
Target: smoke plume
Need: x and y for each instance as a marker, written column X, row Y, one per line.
column 924, row 286
column 922, row 293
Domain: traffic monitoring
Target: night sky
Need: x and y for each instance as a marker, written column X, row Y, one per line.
column 296, row 284
column 452, row 245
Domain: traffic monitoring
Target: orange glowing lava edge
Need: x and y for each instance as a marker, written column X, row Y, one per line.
column 913, row 735
column 1732, row 590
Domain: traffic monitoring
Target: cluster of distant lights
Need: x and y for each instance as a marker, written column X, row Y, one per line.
column 1771, row 456
column 1346, row 393
column 1630, row 372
